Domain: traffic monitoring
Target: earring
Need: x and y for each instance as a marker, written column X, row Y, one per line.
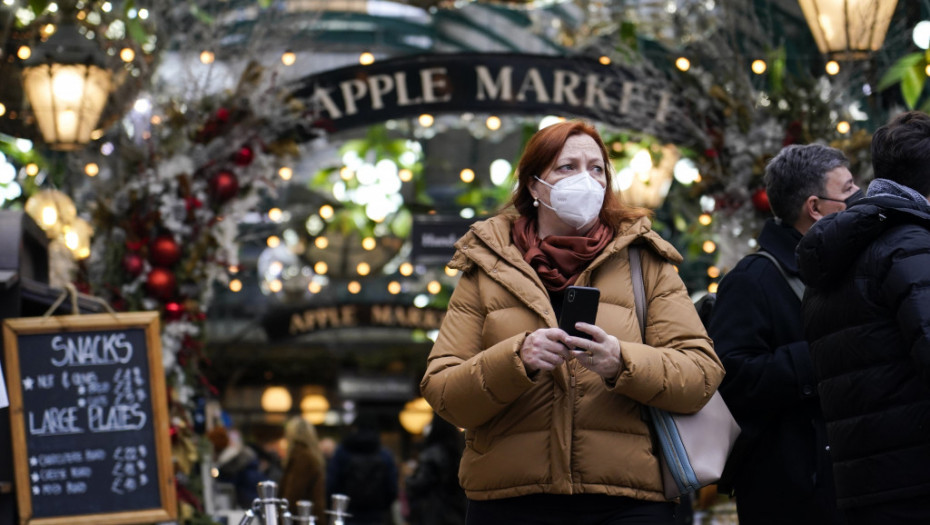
column 535, row 203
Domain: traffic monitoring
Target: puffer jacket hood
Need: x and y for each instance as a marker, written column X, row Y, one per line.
column 831, row 246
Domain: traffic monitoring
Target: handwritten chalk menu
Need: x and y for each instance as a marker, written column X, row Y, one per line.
column 89, row 419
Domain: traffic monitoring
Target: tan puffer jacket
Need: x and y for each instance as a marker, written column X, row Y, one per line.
column 565, row 431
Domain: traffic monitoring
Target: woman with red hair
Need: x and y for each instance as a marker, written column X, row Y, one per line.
column 554, row 426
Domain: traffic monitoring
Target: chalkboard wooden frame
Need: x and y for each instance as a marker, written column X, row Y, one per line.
column 13, row 329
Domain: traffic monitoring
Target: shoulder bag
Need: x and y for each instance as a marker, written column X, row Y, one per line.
column 693, row 447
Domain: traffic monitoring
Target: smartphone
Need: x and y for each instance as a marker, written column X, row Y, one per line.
column 579, row 305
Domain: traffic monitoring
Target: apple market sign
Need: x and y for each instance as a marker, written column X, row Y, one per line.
column 625, row 97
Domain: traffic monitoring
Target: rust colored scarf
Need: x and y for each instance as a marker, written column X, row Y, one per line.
column 559, row 259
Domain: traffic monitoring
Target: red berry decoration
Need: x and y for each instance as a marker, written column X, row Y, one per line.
column 760, row 199
column 174, row 310
column 222, row 115
column 164, row 251
column 224, row 186
column 133, row 264
column 160, row 283
column 244, row 156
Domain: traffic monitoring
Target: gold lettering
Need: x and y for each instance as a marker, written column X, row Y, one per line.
column 431, row 320
column 400, row 315
column 348, row 315
column 414, row 316
column 332, row 317
column 297, row 325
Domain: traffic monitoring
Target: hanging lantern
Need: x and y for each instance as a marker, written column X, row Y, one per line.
column 416, row 415
column 77, row 236
column 645, row 184
column 276, row 399
column 848, row 29
column 51, row 209
column 67, row 85
column 313, row 408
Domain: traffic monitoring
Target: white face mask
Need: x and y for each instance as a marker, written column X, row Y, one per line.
column 576, row 200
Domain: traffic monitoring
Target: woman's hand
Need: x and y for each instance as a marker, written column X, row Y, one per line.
column 543, row 350
column 600, row 355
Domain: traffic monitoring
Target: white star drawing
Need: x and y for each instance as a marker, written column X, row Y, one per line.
column 81, row 402
column 35, row 491
column 35, row 477
column 28, row 382
column 82, row 389
column 33, row 461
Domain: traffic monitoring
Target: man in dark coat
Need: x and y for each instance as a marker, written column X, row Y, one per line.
column 782, row 473
column 867, row 317
column 365, row 471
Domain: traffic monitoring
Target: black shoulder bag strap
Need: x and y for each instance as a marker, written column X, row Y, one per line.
column 795, row 283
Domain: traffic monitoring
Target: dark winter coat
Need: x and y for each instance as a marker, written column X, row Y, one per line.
column 344, row 476
column 867, row 315
column 433, row 490
column 784, row 476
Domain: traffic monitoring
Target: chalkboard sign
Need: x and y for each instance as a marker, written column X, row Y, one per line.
column 89, row 419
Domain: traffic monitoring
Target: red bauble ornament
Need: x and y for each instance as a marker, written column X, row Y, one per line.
column 222, row 115
column 164, row 251
column 160, row 283
column 760, row 199
column 133, row 264
column 244, row 156
column 224, row 186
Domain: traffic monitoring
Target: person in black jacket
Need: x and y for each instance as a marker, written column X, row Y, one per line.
column 433, row 490
column 867, row 317
column 364, row 470
column 782, row 474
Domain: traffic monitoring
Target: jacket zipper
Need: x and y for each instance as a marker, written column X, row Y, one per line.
column 571, row 452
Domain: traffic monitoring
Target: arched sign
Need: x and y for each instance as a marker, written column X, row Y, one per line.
column 622, row 96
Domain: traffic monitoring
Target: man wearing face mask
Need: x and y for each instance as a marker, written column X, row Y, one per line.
column 780, row 472
column 554, row 427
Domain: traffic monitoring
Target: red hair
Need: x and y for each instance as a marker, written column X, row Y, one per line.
column 541, row 152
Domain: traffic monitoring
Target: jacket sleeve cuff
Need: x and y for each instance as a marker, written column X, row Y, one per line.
column 504, row 370
column 631, row 353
